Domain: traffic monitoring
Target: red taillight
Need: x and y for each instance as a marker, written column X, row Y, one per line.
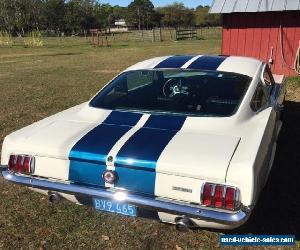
column 230, row 198
column 219, row 196
column 21, row 164
column 207, row 195
column 26, row 164
column 12, row 163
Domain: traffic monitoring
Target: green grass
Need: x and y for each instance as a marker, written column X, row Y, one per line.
column 38, row 82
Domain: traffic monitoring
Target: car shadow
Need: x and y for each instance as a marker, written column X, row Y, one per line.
column 278, row 209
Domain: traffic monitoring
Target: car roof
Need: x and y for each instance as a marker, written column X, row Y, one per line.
column 237, row 64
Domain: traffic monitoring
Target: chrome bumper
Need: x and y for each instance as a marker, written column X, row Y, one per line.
column 143, row 202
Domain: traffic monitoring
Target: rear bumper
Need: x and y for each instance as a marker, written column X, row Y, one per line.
column 143, row 202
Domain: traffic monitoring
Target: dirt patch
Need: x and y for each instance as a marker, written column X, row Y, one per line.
column 17, row 55
column 8, row 62
column 107, row 71
column 3, row 75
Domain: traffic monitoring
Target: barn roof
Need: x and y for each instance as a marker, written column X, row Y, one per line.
column 230, row 6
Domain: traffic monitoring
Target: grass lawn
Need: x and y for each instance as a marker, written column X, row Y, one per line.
column 35, row 83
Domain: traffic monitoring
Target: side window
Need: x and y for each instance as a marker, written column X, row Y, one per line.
column 260, row 99
column 268, row 78
column 139, row 79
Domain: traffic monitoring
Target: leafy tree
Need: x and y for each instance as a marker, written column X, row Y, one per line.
column 78, row 16
column 82, row 15
column 7, row 13
column 176, row 15
column 119, row 12
column 203, row 18
column 141, row 13
column 54, row 14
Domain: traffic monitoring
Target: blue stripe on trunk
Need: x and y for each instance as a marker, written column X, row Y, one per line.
column 88, row 156
column 143, row 150
column 174, row 62
column 207, row 62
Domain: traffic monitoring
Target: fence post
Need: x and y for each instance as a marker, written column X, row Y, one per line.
column 153, row 35
column 160, row 35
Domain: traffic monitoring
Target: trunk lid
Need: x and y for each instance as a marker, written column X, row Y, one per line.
column 161, row 145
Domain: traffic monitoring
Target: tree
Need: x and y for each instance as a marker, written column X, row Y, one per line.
column 80, row 16
column 176, row 15
column 7, row 14
column 141, row 13
column 203, row 18
column 54, row 14
column 119, row 12
column 18, row 16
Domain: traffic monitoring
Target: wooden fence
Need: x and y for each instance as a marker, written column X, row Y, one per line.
column 186, row 34
column 100, row 37
column 146, row 35
column 104, row 38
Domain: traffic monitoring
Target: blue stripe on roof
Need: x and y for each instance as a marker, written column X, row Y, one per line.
column 207, row 62
column 170, row 122
column 174, row 62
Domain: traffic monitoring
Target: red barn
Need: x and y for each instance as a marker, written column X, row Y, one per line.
column 264, row 29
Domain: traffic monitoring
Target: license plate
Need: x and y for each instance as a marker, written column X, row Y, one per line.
column 115, row 207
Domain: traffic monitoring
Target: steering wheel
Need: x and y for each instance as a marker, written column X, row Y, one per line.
column 174, row 87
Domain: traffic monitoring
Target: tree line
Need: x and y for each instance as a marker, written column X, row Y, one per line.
column 78, row 16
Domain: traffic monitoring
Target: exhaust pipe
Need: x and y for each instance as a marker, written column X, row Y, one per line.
column 183, row 224
column 54, row 197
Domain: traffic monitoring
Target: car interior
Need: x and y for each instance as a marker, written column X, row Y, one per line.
column 210, row 94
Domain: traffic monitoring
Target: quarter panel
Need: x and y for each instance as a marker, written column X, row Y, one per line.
column 245, row 167
column 196, row 155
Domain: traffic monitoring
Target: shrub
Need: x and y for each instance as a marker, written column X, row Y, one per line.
column 34, row 39
column 6, row 39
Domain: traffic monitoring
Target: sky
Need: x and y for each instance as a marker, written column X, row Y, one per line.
column 158, row 3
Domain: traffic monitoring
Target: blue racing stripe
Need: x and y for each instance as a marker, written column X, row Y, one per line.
column 143, row 150
column 87, row 173
column 136, row 180
column 207, row 62
column 92, row 149
column 174, row 62
column 170, row 122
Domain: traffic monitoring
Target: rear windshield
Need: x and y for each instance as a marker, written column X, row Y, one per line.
column 186, row 92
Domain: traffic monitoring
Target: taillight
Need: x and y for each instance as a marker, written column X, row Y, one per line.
column 21, row 164
column 207, row 195
column 12, row 162
column 220, row 196
column 230, row 198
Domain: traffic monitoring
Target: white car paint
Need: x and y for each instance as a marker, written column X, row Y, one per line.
column 228, row 150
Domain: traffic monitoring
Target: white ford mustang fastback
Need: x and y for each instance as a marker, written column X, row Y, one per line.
column 189, row 140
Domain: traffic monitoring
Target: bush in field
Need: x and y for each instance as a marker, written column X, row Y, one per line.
column 5, row 39
column 34, row 39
